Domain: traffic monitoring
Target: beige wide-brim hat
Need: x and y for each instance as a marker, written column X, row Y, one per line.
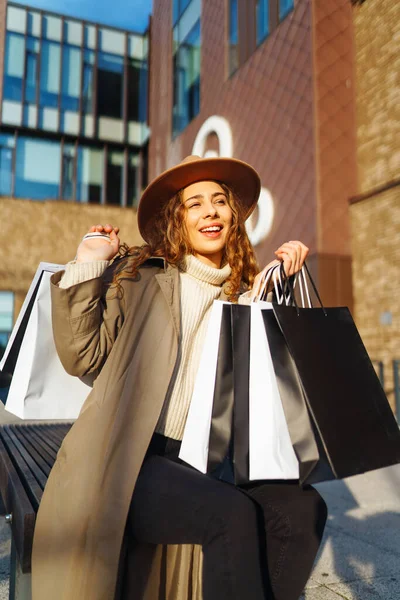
column 243, row 180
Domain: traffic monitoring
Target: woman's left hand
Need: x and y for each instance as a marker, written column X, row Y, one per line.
column 292, row 254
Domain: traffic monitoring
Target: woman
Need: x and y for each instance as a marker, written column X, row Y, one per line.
column 122, row 516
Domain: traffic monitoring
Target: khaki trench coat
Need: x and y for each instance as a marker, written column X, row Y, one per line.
column 131, row 343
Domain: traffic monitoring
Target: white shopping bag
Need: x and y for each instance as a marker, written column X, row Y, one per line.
column 271, row 454
column 40, row 387
column 194, row 447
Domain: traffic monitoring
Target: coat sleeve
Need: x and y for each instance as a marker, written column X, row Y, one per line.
column 86, row 320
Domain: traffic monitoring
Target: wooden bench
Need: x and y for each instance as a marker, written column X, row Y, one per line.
column 27, row 454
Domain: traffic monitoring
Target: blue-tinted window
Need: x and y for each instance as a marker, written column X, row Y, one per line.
column 6, row 160
column 115, row 177
column 89, row 186
column 14, row 66
column 233, row 59
column 179, row 6
column 31, row 67
column 285, row 6
column 262, row 19
column 6, row 318
column 88, row 82
column 37, row 169
column 68, row 168
column 187, row 80
column 71, row 78
column 110, row 85
column 137, row 90
column 50, row 74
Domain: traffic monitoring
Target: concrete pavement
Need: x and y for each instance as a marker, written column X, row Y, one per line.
column 360, row 554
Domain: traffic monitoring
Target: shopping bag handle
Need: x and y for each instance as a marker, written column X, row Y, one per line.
column 287, row 284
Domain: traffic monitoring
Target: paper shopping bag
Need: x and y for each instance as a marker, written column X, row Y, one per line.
column 195, row 441
column 40, row 387
column 271, row 451
column 351, row 416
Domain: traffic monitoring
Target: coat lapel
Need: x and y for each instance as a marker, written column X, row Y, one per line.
column 169, row 285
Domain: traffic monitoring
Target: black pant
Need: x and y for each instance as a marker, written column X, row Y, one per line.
column 259, row 541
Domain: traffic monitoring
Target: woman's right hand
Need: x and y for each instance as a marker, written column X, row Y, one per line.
column 99, row 247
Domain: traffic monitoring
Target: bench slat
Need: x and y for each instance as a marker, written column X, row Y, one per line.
column 33, row 452
column 45, row 435
column 48, row 454
column 24, row 464
column 55, row 437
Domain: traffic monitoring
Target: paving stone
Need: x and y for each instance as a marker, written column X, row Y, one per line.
column 371, row 589
column 320, row 593
column 345, row 557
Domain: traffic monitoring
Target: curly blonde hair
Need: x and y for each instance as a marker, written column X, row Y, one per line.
column 170, row 240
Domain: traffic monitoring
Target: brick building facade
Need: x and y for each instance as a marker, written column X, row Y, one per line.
column 375, row 211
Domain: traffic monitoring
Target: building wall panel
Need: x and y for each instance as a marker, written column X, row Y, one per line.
column 375, row 227
column 50, row 232
column 377, row 35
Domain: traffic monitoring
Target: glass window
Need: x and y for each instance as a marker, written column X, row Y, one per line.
column 133, row 167
column 262, row 18
column 73, row 33
column 137, row 91
column 115, row 177
column 87, row 83
column 52, row 28
column 16, row 19
column 50, row 74
column 112, row 41
column 110, row 85
column 89, row 37
column 89, row 175
column 6, row 158
column 68, row 167
column 31, row 69
column 285, row 6
column 71, row 78
column 233, row 58
column 38, row 169
column 6, row 311
column 34, row 24
column 188, row 20
column 6, row 318
column 187, row 80
column 14, row 66
column 179, row 6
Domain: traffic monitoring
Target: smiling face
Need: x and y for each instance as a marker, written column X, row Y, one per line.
column 208, row 218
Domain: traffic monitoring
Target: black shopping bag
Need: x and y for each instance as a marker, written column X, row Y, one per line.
column 354, row 425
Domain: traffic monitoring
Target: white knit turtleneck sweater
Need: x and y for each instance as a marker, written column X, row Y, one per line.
column 200, row 285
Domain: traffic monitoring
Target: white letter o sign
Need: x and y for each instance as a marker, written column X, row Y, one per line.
column 258, row 231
